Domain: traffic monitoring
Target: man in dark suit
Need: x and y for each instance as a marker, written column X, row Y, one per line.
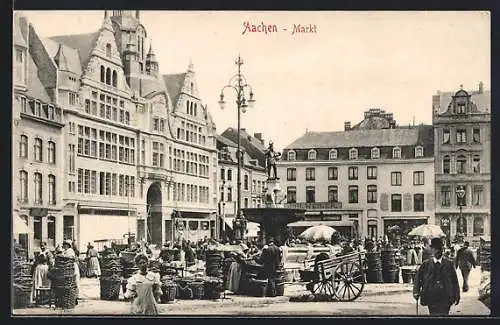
column 465, row 261
column 436, row 282
column 271, row 260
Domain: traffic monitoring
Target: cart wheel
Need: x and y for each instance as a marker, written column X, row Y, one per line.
column 348, row 281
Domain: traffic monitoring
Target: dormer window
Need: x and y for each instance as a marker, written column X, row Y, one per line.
column 353, row 154
column 375, row 154
column 311, row 155
column 291, row 155
column 461, row 108
column 51, row 112
column 396, row 153
column 23, row 104
column 38, row 108
column 419, row 152
column 333, row 154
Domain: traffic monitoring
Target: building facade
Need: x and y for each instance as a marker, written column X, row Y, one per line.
column 462, row 131
column 364, row 179
column 37, row 143
column 138, row 151
column 253, row 182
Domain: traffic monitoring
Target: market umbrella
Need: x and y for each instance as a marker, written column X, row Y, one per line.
column 429, row 231
column 20, row 227
column 317, row 233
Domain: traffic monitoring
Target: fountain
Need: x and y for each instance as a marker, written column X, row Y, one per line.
column 273, row 217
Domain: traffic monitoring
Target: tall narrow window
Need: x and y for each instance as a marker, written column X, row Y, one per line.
column 115, row 78
column 103, row 74
column 310, row 194
column 461, row 164
column 333, row 193
column 353, row 173
column 446, row 164
column 51, row 231
column 108, row 76
column 108, row 50
column 333, row 173
column 446, row 136
column 23, row 147
column 371, row 172
column 462, row 136
column 23, row 182
column 291, row 174
column 310, row 174
column 245, row 182
column 476, row 164
column 396, row 178
column 38, row 149
column 52, row 152
column 38, row 188
column 37, row 230
column 353, row 194
column 396, row 203
column 476, row 135
column 445, row 196
column 372, row 194
column 52, row 189
column 477, row 194
column 418, row 178
column 418, row 202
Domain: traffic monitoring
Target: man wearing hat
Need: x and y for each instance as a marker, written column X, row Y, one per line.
column 271, row 260
column 465, row 261
column 436, row 282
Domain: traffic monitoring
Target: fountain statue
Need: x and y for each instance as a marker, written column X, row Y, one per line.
column 273, row 217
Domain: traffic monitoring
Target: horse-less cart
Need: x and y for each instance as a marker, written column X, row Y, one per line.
column 340, row 277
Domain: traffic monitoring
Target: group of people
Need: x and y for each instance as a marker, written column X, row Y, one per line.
column 44, row 264
column 436, row 282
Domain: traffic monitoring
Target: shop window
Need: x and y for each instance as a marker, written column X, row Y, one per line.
column 396, row 203
column 310, row 194
column 69, row 227
column 478, row 228
column 291, row 194
column 372, row 229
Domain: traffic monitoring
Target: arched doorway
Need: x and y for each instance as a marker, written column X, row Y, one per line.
column 154, row 202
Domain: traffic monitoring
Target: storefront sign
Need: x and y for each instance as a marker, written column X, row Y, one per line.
column 332, row 217
column 39, row 212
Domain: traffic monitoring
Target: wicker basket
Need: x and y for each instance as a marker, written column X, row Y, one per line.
column 67, row 298
column 21, row 298
column 198, row 288
column 110, row 289
column 169, row 292
column 128, row 257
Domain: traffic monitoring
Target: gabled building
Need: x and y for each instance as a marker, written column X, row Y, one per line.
column 462, row 132
column 364, row 179
column 253, row 182
column 38, row 148
column 138, row 145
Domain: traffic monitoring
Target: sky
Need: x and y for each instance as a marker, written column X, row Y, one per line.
column 355, row 61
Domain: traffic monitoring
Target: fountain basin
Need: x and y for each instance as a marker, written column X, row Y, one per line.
column 273, row 221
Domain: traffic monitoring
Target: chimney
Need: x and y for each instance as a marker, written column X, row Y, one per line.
column 24, row 26
column 347, row 125
column 481, row 87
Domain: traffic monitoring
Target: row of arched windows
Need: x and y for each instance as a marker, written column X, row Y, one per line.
column 108, row 76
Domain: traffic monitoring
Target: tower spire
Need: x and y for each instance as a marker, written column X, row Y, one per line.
column 191, row 65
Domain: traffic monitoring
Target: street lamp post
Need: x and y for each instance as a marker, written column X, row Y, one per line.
column 461, row 203
column 240, row 86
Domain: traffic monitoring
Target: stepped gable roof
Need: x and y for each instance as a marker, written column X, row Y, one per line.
column 174, row 83
column 18, row 37
column 364, row 137
column 82, row 43
column 253, row 146
column 35, row 88
column 482, row 100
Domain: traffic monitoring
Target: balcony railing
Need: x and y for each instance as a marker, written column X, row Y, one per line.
column 314, row 205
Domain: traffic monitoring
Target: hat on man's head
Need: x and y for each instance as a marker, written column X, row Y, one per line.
column 437, row 243
column 68, row 242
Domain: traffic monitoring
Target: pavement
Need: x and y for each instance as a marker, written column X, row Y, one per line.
column 376, row 299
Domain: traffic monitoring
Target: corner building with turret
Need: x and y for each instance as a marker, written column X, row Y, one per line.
column 137, row 150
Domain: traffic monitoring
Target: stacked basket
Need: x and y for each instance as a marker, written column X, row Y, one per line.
column 213, row 287
column 213, row 266
column 64, row 282
column 389, row 266
column 374, row 264
column 168, row 288
column 22, row 283
column 110, row 277
column 485, row 255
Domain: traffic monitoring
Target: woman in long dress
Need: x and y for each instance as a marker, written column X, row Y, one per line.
column 40, row 275
column 93, row 267
column 143, row 288
column 69, row 252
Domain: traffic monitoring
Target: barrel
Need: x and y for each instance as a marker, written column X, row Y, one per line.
column 389, row 276
column 374, row 276
column 374, row 267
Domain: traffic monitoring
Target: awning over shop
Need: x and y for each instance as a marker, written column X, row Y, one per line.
column 20, row 226
column 305, row 223
column 405, row 217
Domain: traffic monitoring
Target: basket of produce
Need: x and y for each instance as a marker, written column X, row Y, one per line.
column 198, row 288
column 110, row 287
column 213, row 287
column 21, row 296
column 127, row 257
